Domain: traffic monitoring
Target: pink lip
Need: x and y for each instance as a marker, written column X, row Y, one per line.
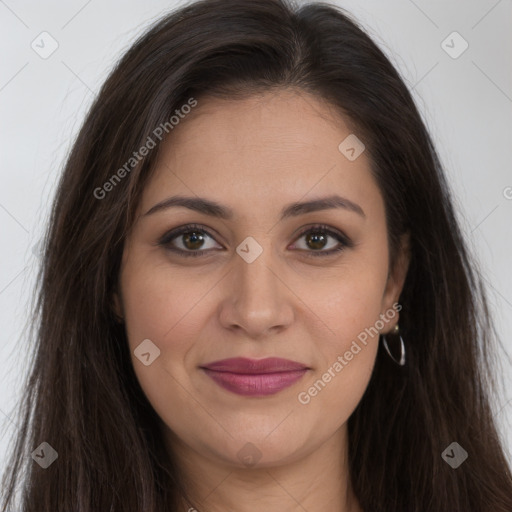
column 255, row 377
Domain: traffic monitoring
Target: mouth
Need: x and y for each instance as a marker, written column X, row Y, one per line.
column 252, row 377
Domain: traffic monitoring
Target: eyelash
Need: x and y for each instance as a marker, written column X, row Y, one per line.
column 171, row 235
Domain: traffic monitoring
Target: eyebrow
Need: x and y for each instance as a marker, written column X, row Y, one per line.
column 214, row 209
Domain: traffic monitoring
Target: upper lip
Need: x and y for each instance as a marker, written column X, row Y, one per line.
column 255, row 366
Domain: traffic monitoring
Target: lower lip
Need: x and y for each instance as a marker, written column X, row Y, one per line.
column 262, row 384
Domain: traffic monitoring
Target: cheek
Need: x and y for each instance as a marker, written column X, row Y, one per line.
column 348, row 301
column 352, row 316
column 163, row 308
column 159, row 303
column 346, row 357
column 349, row 305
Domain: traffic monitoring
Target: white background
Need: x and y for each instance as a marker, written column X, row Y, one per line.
column 466, row 103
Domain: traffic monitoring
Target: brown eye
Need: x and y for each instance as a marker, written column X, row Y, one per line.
column 316, row 240
column 188, row 240
column 193, row 240
column 322, row 241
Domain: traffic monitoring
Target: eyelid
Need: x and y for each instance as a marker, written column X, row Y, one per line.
column 344, row 240
column 326, row 229
column 176, row 232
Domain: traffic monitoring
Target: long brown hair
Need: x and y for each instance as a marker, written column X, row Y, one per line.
column 82, row 396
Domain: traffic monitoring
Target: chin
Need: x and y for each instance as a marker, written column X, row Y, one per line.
column 261, row 451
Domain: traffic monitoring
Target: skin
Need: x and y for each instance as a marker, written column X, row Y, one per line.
column 256, row 156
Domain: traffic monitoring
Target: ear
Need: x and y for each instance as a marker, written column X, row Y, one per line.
column 396, row 278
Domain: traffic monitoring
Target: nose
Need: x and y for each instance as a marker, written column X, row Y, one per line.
column 257, row 301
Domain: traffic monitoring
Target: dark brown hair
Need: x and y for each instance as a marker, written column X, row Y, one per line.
column 82, row 395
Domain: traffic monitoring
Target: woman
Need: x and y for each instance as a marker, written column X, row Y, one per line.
column 254, row 293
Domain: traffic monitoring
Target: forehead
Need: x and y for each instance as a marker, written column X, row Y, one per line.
column 270, row 148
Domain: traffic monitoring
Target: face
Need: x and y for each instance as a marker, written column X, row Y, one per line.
column 266, row 272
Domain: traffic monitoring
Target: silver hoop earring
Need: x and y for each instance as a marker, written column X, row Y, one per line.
column 401, row 362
